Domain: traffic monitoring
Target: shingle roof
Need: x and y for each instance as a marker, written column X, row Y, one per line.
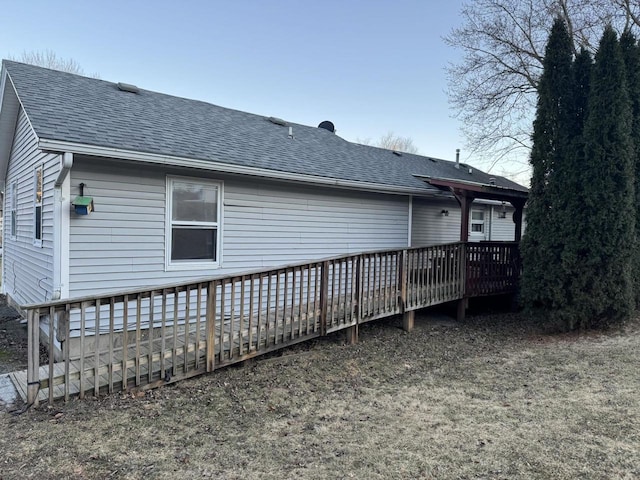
column 88, row 111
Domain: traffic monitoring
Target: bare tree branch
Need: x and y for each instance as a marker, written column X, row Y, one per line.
column 391, row 141
column 49, row 59
column 493, row 88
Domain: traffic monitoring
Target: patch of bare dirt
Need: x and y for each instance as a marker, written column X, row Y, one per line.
column 13, row 339
column 483, row 399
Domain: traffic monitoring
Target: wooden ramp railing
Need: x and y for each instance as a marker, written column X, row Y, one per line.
column 149, row 337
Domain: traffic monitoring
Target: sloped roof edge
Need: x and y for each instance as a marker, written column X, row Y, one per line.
column 79, row 114
column 152, row 158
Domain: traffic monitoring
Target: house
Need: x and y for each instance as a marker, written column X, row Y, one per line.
column 109, row 187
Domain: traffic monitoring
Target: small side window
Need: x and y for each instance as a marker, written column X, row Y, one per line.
column 37, row 206
column 13, row 228
column 477, row 221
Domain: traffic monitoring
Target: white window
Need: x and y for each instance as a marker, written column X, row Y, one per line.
column 14, row 210
column 193, row 223
column 477, row 221
column 37, row 206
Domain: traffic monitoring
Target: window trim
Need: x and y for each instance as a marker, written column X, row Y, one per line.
column 38, row 241
column 477, row 222
column 13, row 211
column 173, row 265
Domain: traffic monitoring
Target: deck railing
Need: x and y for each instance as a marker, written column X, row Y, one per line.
column 148, row 337
column 492, row 268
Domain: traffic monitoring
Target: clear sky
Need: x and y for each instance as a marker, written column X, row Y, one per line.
column 369, row 66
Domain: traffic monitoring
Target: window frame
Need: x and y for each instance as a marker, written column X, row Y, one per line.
column 37, row 241
column 170, row 223
column 477, row 222
column 13, row 210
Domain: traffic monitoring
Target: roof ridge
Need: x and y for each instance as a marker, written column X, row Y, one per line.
column 100, row 115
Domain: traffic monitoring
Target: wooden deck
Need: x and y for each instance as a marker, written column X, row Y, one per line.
column 147, row 338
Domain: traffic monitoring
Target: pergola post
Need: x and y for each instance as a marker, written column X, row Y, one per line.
column 465, row 200
column 517, row 217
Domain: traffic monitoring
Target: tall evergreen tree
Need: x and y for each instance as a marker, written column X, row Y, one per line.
column 541, row 246
column 601, row 290
column 573, row 178
column 631, row 55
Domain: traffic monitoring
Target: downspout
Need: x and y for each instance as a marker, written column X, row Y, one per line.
column 66, row 162
column 490, row 230
column 61, row 228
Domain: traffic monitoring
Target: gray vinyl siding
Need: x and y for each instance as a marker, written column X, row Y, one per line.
column 122, row 243
column 503, row 229
column 28, row 269
column 430, row 226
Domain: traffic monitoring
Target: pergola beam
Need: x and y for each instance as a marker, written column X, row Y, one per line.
column 466, row 192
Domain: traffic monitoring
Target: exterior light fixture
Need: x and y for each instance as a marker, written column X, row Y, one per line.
column 503, row 213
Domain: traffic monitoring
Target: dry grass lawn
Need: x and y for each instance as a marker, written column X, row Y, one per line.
column 493, row 398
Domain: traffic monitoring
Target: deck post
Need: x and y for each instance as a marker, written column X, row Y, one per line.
column 33, row 359
column 408, row 319
column 352, row 334
column 462, row 309
column 324, row 300
column 404, row 274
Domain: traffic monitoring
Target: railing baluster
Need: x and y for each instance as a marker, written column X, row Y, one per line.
column 223, row 296
column 259, row 326
column 67, row 351
column 268, row 320
column 197, row 333
column 232, row 323
column 174, row 347
column 163, row 335
column 275, row 336
column 138, row 336
column 52, row 336
column 125, row 340
column 210, row 325
column 111, row 339
column 324, row 292
column 96, row 344
column 83, row 319
column 285, row 297
column 251, row 313
column 306, row 324
column 300, row 300
column 151, row 324
column 33, row 370
column 187, row 326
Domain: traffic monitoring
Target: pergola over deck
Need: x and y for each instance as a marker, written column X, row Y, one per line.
column 466, row 192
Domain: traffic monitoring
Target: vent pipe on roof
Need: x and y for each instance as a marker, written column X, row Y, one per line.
column 457, row 158
column 291, row 133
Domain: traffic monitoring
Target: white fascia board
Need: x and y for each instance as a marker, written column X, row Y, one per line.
column 9, row 107
column 7, row 122
column 61, row 146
